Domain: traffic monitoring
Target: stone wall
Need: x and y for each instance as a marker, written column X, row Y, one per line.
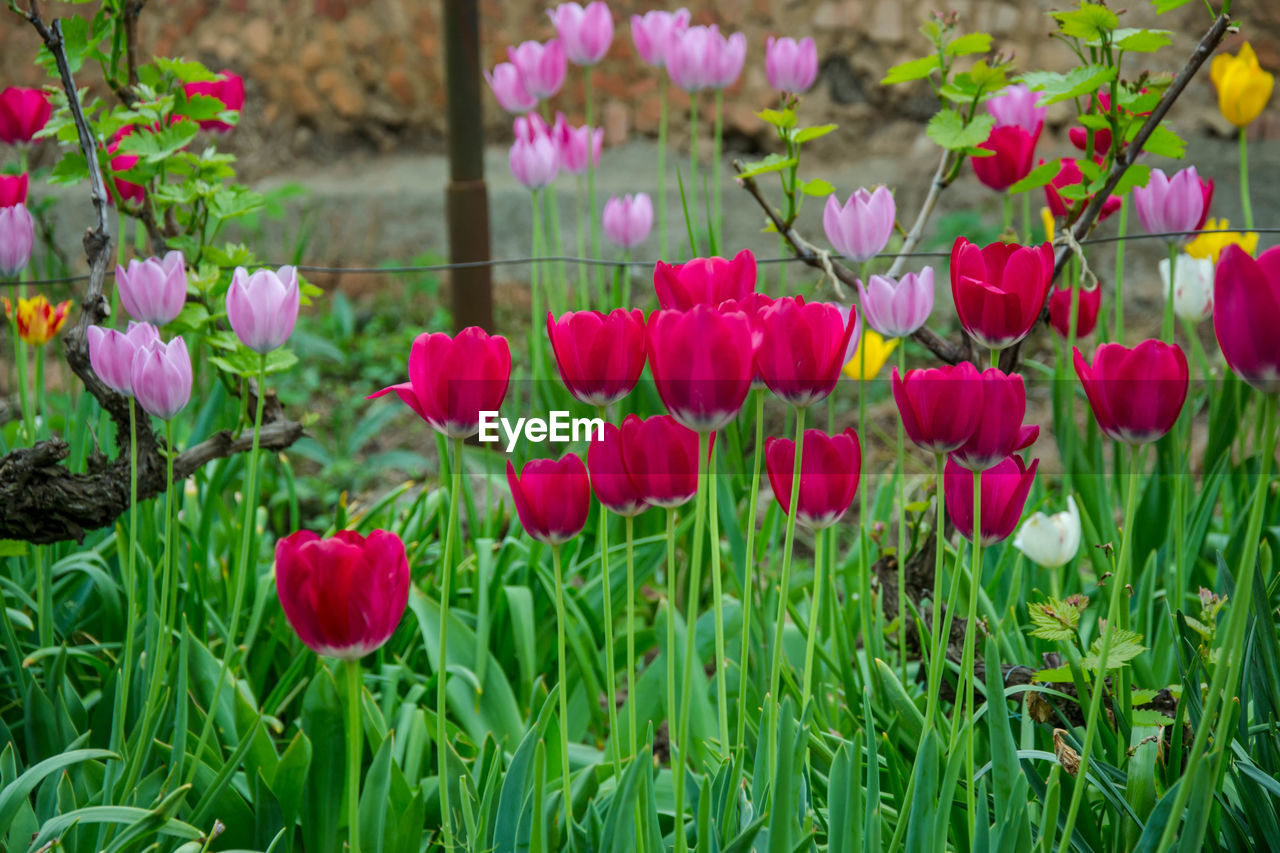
column 329, row 77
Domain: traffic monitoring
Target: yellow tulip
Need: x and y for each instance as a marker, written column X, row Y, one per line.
column 37, row 320
column 1210, row 246
column 1046, row 216
column 1243, row 87
column 878, row 350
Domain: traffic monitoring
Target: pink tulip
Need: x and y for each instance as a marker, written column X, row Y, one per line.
column 628, row 219
column 803, row 349
column 693, row 57
column 229, row 89
column 661, row 458
column 17, row 237
column 344, row 596
column 896, row 309
column 1088, row 303
column 704, row 281
column 1000, row 431
column 509, row 88
column 1004, row 495
column 530, row 127
column 23, row 114
column 160, row 377
column 702, row 362
column 111, row 353
column 1246, row 315
column 655, row 31
column 940, row 406
column 572, row 144
column 1013, row 154
column 729, row 59
column 453, row 379
column 585, row 33
column 791, row 66
column 1136, row 394
column 263, row 308
column 542, row 67
column 999, row 289
column 534, row 162
column 154, row 290
column 1015, row 106
column 552, row 497
column 1170, row 204
column 600, row 356
column 830, row 467
column 612, row 484
column 13, row 189
column 861, row 228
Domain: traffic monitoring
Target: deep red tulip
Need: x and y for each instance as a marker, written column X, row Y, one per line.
column 552, row 497
column 1136, row 394
column 1000, row 431
column 610, row 480
column 1014, row 152
column 227, row 88
column 1068, row 174
column 120, row 163
column 829, row 470
column 453, row 380
column 1088, row 303
column 754, row 306
column 1004, row 495
column 600, row 356
column 1000, row 289
column 940, row 406
column 661, row 457
column 13, row 190
column 23, row 114
column 1079, row 137
column 803, row 349
column 702, row 362
column 343, row 595
column 1246, row 315
column 704, row 281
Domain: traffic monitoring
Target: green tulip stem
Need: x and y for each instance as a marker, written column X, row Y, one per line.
column 673, row 702
column 1006, row 222
column 355, row 749
column 939, row 642
column 967, row 653
column 1166, row 330
column 901, row 556
column 717, row 605
column 442, row 667
column 1245, row 203
column 814, row 616
column 869, row 634
column 748, row 582
column 563, row 691
column 606, row 580
column 631, row 638
column 130, row 593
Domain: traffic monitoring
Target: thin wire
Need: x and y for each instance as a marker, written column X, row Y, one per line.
column 568, row 259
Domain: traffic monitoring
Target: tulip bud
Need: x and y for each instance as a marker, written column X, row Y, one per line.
column 1243, row 87
column 1136, row 394
column 613, row 485
column 13, row 190
column 17, row 237
column 803, row 349
column 585, row 33
column 160, row 378
column 692, row 58
column 1000, row 432
column 791, row 66
column 1015, row 106
column 344, row 596
column 1246, row 314
column 940, row 406
column 263, row 308
column 1050, row 541
column 628, row 219
column 655, row 31
column 830, row 466
column 542, row 67
column 1192, row 286
column 661, row 457
column 1000, row 289
column 111, row 353
column 600, row 356
column 552, row 497
column 1088, row 304
column 227, row 88
column 702, row 362
column 534, row 162
column 705, row 281
column 36, row 319
column 897, row 309
column 154, row 290
column 1004, row 490
column 575, row 144
column 508, row 86
column 729, row 58
column 1069, row 174
column 861, row 228
column 1170, row 204
column 23, row 114
column 1012, row 155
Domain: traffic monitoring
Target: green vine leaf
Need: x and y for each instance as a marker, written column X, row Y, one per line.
column 913, row 69
column 1083, row 80
column 1037, row 177
column 969, row 43
column 1091, row 22
column 1125, row 646
column 1140, row 40
column 949, row 129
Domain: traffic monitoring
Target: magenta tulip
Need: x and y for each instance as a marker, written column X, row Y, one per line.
column 344, row 596
column 940, row 406
column 654, row 32
column 160, row 377
column 509, row 88
column 542, row 67
column 227, row 88
column 1136, row 394
column 262, row 308
column 1170, row 204
column 453, row 379
column 574, row 143
column 628, row 219
column 791, row 66
column 23, row 114
column 704, row 281
column 999, row 289
column 530, row 127
column 860, row 229
column 1246, row 315
column 552, row 497
column 534, row 162
column 896, row 309
column 1015, row 106
column 600, row 356
column 585, row 33
column 611, row 482
column 1013, row 153
column 17, row 238
column 829, row 472
column 1069, row 174
column 120, row 164
column 753, row 305
column 1005, row 487
column 702, row 362
column 1206, row 196
column 153, row 291
column 661, row 458
column 1000, row 431
column 13, row 189
column 1088, row 303
column 111, row 353
column 803, row 349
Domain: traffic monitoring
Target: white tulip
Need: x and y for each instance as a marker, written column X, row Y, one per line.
column 1050, row 540
column 1193, row 289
